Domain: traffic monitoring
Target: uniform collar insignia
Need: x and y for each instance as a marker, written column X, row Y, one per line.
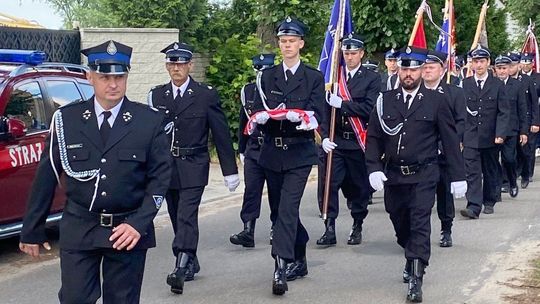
column 440, row 89
column 111, row 49
column 398, row 95
column 127, row 116
column 190, row 91
column 87, row 114
column 167, row 93
column 420, row 96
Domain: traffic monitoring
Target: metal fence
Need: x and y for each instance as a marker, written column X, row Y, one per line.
column 60, row 45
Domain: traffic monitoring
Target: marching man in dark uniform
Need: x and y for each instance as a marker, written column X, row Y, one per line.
column 402, row 148
column 191, row 110
column 486, row 128
column 249, row 147
column 289, row 152
column 518, row 126
column 116, row 177
column 531, row 85
column 389, row 79
column 349, row 171
column 434, row 79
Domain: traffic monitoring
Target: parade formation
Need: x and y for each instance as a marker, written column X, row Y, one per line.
column 425, row 130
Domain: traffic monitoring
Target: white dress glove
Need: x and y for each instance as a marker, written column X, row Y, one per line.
column 242, row 157
column 458, row 189
column 232, row 182
column 377, row 179
column 335, row 101
column 327, row 145
column 261, row 118
column 313, row 124
column 293, row 116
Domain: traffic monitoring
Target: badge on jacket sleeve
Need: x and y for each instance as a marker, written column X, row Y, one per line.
column 158, row 200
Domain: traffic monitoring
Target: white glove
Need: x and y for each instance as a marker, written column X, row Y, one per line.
column 293, row 116
column 261, row 118
column 313, row 124
column 242, row 157
column 458, row 189
column 232, row 182
column 377, row 179
column 327, row 145
column 334, row 101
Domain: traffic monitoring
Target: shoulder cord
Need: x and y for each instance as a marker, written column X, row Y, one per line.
column 169, row 127
column 384, row 126
column 263, row 96
column 83, row 176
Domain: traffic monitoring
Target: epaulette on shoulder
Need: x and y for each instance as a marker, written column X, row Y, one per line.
column 71, row 104
column 159, row 86
column 145, row 106
column 206, row 86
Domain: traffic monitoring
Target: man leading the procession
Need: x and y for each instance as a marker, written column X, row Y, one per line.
column 402, row 151
column 433, row 74
column 289, row 152
column 191, row 110
column 485, row 130
column 249, row 147
column 111, row 151
column 349, row 171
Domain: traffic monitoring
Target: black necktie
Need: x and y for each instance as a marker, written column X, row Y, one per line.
column 178, row 94
column 479, row 84
column 105, row 128
column 289, row 75
column 349, row 76
column 408, row 100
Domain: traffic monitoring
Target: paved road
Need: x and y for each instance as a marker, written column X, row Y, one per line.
column 369, row 273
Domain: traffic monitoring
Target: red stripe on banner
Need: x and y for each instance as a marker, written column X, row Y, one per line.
column 356, row 122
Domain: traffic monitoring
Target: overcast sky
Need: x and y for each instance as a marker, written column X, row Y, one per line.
column 32, row 10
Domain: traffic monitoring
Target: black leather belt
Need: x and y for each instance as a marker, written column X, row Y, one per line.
column 108, row 220
column 412, row 168
column 348, row 135
column 285, row 142
column 178, row 152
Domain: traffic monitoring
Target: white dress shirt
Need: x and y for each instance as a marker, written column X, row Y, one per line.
column 292, row 69
column 99, row 112
column 182, row 88
column 413, row 94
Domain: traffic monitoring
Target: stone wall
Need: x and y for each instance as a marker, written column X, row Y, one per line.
column 147, row 63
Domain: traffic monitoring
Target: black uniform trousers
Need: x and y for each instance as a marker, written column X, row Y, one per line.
column 183, row 208
column 483, row 177
column 290, row 236
column 254, row 178
column 509, row 160
column 349, row 173
column 445, row 200
column 409, row 206
column 122, row 275
column 526, row 157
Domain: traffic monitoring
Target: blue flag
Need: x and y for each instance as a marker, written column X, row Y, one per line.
column 444, row 38
column 330, row 41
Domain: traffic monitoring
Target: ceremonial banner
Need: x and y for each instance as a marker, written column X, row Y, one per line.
column 531, row 47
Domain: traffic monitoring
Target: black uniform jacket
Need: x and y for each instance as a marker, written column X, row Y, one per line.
column 532, row 90
column 197, row 112
column 304, row 91
column 428, row 119
column 249, row 145
column 518, row 107
column 364, row 88
column 456, row 97
column 493, row 116
column 134, row 176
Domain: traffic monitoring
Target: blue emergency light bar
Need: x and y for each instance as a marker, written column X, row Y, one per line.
column 21, row 56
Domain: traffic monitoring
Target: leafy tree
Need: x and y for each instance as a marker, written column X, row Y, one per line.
column 84, row 13
column 522, row 10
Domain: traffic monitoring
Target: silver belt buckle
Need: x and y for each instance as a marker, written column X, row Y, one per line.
column 346, row 135
column 405, row 170
column 175, row 151
column 278, row 141
column 260, row 140
column 106, row 220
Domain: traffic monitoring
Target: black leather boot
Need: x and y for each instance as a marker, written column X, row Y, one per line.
column 407, row 271
column 329, row 236
column 246, row 237
column 415, row 283
column 446, row 239
column 193, row 267
column 279, row 284
column 177, row 277
column 355, row 237
column 296, row 269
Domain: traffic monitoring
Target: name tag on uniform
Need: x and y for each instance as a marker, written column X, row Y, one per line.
column 74, row 146
column 277, row 93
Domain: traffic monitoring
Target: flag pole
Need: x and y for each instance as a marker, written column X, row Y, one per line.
column 419, row 15
column 450, row 11
column 332, row 86
column 479, row 26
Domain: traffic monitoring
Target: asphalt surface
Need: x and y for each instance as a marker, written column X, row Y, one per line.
column 368, row 273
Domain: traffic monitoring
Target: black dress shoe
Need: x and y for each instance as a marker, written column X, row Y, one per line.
column 514, row 191
column 355, row 237
column 446, row 239
column 329, row 236
column 414, row 293
column 489, row 209
column 192, row 269
column 296, row 269
column 468, row 213
column 504, row 189
column 246, row 237
column 279, row 284
column 407, row 271
column 177, row 277
column 524, row 183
